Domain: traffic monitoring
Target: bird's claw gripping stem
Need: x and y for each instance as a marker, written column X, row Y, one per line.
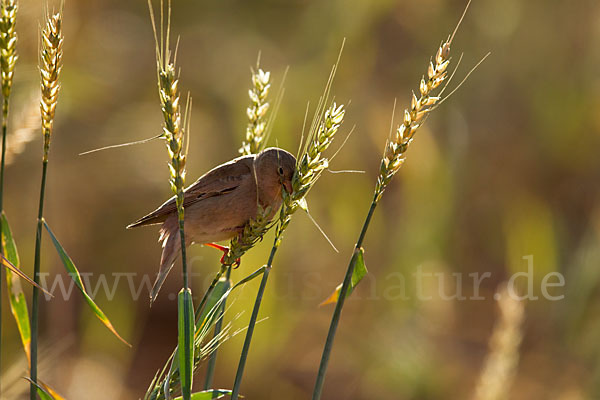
column 225, row 251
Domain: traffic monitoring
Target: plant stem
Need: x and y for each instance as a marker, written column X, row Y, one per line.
column 183, row 252
column 2, row 162
column 36, row 279
column 4, row 123
column 210, row 371
column 338, row 307
column 188, row 339
column 246, row 348
column 208, row 292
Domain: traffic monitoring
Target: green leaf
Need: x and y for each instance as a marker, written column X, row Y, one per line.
column 16, row 297
column 210, row 312
column 360, row 270
column 214, row 311
column 219, row 290
column 10, row 258
column 253, row 275
column 208, row 394
column 74, row 274
column 186, row 341
column 45, row 392
column 205, row 319
column 8, row 243
column 51, row 391
column 218, row 297
column 213, row 305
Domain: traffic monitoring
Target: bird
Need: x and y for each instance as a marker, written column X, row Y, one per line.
column 220, row 203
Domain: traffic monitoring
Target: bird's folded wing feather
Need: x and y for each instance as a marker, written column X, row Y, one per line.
column 221, row 180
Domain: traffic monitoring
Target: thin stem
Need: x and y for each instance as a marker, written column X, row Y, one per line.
column 338, row 307
column 183, row 252
column 250, row 331
column 187, row 321
column 212, row 362
column 208, row 292
column 2, row 162
column 36, row 279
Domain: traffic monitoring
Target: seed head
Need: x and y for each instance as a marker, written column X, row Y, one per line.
column 8, row 44
column 50, row 67
column 414, row 117
column 257, row 112
column 311, row 165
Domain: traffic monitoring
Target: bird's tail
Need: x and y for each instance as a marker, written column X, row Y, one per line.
column 171, row 244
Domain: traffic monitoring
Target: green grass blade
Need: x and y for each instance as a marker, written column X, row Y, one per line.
column 214, row 310
column 8, row 243
column 220, row 292
column 16, row 297
column 253, row 275
column 51, row 391
column 186, row 341
column 208, row 394
column 45, row 392
column 10, row 258
column 217, row 293
column 360, row 270
column 74, row 274
column 18, row 307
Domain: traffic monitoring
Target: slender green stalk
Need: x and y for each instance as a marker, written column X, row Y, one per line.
column 2, row 162
column 174, row 129
column 393, row 158
column 4, row 118
column 209, row 291
column 212, row 361
column 8, row 59
column 244, row 356
column 50, row 67
column 308, row 169
column 252, row 233
column 253, row 144
column 339, row 305
column 36, row 279
column 183, row 255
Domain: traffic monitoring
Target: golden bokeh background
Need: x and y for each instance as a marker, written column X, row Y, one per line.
column 507, row 168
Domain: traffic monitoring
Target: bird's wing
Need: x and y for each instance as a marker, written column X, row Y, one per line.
column 219, row 181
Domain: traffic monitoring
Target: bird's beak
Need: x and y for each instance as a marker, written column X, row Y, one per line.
column 288, row 186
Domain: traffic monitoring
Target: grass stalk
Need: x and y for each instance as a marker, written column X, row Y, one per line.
column 174, row 129
column 339, row 305
column 253, row 144
column 246, row 348
column 2, row 162
column 393, row 158
column 8, row 59
column 50, row 67
column 36, row 279
column 308, row 170
column 212, row 361
column 206, row 316
column 3, row 159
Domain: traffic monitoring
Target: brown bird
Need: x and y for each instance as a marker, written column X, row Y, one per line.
column 220, row 203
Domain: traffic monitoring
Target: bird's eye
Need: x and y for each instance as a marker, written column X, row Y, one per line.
column 280, row 171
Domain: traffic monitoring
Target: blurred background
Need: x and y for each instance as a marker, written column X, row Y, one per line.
column 507, row 168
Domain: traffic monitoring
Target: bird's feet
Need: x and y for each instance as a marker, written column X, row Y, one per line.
column 225, row 251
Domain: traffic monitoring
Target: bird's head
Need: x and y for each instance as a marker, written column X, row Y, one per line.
column 276, row 166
